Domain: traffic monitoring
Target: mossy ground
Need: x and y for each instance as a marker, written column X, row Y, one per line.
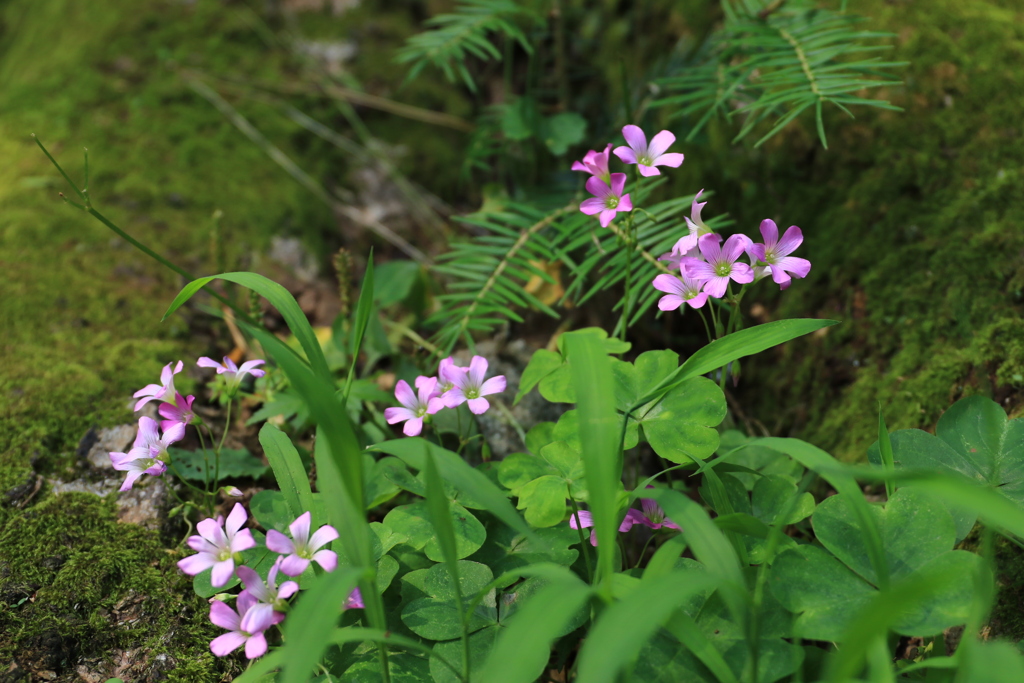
column 80, row 310
column 913, row 223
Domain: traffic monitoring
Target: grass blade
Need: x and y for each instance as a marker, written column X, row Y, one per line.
column 310, row 625
column 288, row 470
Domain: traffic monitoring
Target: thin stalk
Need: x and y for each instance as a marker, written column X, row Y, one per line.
column 642, row 552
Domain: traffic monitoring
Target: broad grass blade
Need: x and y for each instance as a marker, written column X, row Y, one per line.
column 310, row 625
column 288, row 470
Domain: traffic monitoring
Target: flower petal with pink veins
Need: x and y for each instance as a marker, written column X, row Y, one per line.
column 222, row 573
column 477, row 370
column 293, row 565
column 393, row 415
column 494, row 385
column 670, row 302
column 799, row 267
column 413, row 427
column 279, row 543
column 598, row 187
column 194, row 564
column 618, row 183
column 607, row 216
column 660, row 144
column 328, row 559
column 222, row 615
column 648, row 171
column 698, row 301
column 635, row 138
column 592, row 205
column 224, row 645
column 243, row 540
column 478, row 406
column 322, row 537
column 672, row 160
column 404, row 394
column 256, row 646
column 793, row 238
column 625, row 155
column 585, row 519
column 235, row 519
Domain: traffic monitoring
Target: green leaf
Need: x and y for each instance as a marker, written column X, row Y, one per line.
column 721, row 352
column 288, row 470
column 271, row 510
column 624, row 628
column 524, row 649
column 542, row 363
column 480, row 644
column 520, row 119
column 457, row 472
column 915, row 529
column 600, row 429
column 308, row 632
column 379, row 487
column 772, row 495
column 234, row 463
column 827, row 590
column 680, row 427
column 436, row 616
column 506, row 549
column 413, row 522
column 360, row 318
column 279, row 298
column 637, row 379
column 562, row 131
column 663, row 659
column 394, row 281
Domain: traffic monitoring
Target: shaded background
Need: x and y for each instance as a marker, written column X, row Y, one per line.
column 912, row 220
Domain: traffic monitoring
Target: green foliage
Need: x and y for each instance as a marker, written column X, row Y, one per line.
column 464, row 33
column 828, row 590
column 772, row 61
column 234, row 463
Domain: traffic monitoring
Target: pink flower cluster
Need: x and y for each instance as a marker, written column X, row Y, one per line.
column 652, row 517
column 453, row 386
column 148, row 454
column 260, row 605
column 706, row 266
column 608, row 187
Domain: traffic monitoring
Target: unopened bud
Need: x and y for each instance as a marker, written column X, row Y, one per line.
column 232, row 491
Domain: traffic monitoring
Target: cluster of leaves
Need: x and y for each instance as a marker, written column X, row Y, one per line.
column 771, row 61
column 460, row 587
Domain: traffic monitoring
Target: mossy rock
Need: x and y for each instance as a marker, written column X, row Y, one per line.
column 78, row 589
column 913, row 223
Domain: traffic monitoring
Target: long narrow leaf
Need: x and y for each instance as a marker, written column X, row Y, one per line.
column 599, row 427
column 288, row 470
column 310, row 624
column 279, row 298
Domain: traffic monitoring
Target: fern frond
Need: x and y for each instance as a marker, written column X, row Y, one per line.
column 771, row 64
column 489, row 273
column 455, row 37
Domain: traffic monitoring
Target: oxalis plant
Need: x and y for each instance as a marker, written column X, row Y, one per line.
column 726, row 558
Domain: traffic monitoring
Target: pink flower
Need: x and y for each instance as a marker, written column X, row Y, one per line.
column 471, row 388
column 354, row 600
column 160, row 392
column 776, row 253
column 236, row 372
column 652, row 516
column 679, row 290
column 595, row 163
column 177, row 412
column 607, row 200
column 245, row 627
column 720, row 265
column 447, row 371
column 149, row 452
column 415, row 407
column 647, row 157
column 300, row 548
column 218, row 546
column 268, row 593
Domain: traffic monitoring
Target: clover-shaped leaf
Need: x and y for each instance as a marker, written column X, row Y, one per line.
column 413, row 522
column 543, row 480
column 433, row 610
column 507, row 549
column 827, row 588
column 974, row 439
column 681, row 426
column 550, row 370
column 635, row 380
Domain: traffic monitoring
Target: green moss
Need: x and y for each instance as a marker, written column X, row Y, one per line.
column 75, row 585
column 912, row 221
